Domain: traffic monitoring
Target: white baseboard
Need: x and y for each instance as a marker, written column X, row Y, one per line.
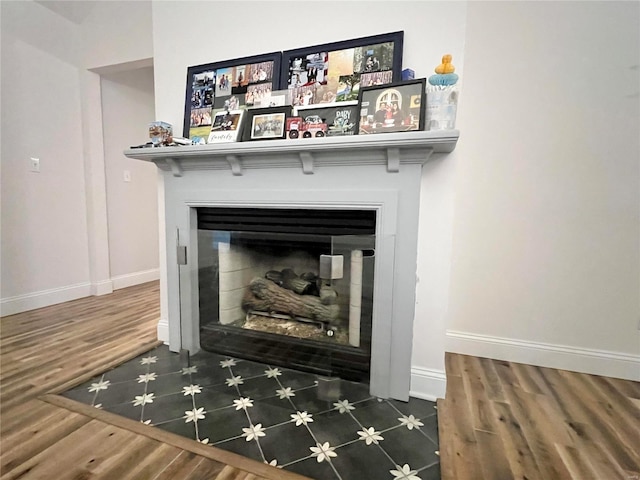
column 136, row 278
column 43, row 298
column 428, row 384
column 104, row 287
column 564, row 357
column 163, row 330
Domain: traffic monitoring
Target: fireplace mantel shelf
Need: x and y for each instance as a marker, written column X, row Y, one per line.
column 390, row 149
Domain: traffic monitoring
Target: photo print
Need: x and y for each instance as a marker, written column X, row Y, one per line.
column 260, row 72
column 309, row 70
column 224, row 79
column 202, row 89
column 268, row 126
column 348, row 87
column 201, row 117
column 373, row 58
column 303, row 95
column 256, row 93
column 240, row 80
column 376, row 78
column 200, row 124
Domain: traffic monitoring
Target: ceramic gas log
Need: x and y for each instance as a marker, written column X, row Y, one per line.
column 264, row 295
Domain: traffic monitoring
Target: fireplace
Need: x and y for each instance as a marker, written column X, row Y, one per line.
column 375, row 176
column 289, row 287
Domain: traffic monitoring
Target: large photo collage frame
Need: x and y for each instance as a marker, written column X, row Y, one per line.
column 233, row 85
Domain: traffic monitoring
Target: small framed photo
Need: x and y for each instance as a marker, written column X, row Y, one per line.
column 266, row 123
column 338, row 119
column 397, row 107
column 226, row 126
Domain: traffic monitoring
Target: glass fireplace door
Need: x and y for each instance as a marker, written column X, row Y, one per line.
column 300, row 301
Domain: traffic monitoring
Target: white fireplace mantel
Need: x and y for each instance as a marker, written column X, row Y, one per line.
column 390, row 149
column 374, row 172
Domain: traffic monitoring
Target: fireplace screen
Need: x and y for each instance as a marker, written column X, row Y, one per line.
column 289, row 287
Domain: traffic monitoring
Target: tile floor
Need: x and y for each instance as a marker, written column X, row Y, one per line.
column 313, row 426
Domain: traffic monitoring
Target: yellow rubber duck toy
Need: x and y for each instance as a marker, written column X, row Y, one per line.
column 445, row 66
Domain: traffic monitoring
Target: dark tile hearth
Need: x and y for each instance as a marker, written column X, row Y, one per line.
column 321, row 428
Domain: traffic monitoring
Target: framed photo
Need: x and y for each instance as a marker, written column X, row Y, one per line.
column 339, row 119
column 397, row 107
column 230, row 85
column 333, row 72
column 265, row 123
column 226, row 126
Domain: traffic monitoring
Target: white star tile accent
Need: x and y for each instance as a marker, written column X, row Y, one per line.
column 143, row 399
column 410, row 422
column 301, row 418
column 254, row 431
column 285, row 393
column 147, row 377
column 229, row 362
column 148, row 360
column 272, row 372
column 343, row 406
column 404, row 473
column 243, row 403
column 101, row 385
column 323, row 452
column 191, row 390
column 233, row 381
column 188, row 370
column 369, row 435
column 194, row 415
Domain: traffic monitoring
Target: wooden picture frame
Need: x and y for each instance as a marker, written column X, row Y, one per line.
column 265, row 123
column 331, row 72
column 397, row 107
column 215, row 87
column 340, row 118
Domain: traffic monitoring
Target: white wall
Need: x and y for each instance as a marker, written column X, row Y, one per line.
column 546, row 246
column 115, row 33
column 128, row 107
column 44, row 235
column 54, row 241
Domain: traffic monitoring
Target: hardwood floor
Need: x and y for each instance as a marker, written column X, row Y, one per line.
column 48, row 437
column 504, row 420
column 500, row 420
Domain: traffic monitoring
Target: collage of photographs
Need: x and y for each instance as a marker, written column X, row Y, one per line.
column 216, row 91
column 343, row 88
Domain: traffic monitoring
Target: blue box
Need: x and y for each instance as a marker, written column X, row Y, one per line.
column 408, row 74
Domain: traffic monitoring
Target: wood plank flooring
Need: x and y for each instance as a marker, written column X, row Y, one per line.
column 504, row 420
column 500, row 420
column 49, row 437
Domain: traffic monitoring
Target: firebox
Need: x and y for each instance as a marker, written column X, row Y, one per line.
column 289, row 287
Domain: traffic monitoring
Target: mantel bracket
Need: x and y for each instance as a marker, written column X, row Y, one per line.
column 307, row 163
column 235, row 164
column 393, row 160
column 176, row 169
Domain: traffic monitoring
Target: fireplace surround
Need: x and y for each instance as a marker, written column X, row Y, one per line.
column 381, row 175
